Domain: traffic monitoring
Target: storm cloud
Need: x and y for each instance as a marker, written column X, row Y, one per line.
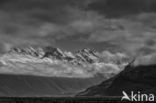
column 74, row 24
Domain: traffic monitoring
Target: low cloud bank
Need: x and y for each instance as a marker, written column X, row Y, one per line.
column 19, row 64
column 149, row 59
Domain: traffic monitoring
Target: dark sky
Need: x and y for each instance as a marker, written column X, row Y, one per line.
column 73, row 24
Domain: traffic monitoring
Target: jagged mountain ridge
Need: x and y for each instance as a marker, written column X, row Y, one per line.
column 78, row 57
column 85, row 55
column 50, row 61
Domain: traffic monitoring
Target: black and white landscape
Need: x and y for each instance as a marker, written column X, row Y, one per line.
column 51, row 72
column 77, row 48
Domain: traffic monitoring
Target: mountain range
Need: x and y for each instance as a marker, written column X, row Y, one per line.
column 49, row 71
column 86, row 55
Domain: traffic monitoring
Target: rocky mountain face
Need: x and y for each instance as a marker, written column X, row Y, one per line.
column 51, row 61
column 80, row 57
column 133, row 78
column 36, row 52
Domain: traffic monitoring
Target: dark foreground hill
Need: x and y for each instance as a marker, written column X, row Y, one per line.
column 37, row 86
column 140, row 78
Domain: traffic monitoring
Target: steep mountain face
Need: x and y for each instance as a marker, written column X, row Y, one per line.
column 36, row 52
column 139, row 78
column 80, row 57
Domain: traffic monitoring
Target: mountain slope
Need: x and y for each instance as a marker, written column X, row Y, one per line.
column 139, row 78
column 28, row 85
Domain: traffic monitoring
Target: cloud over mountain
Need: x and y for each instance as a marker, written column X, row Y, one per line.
column 57, row 63
column 48, row 22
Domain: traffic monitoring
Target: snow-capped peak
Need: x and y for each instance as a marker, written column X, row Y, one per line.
column 56, row 62
column 84, row 56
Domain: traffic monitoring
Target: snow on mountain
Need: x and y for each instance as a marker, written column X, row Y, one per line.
column 50, row 61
